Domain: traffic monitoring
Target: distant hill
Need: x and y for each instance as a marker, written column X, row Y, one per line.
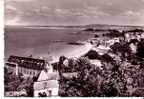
column 94, row 26
column 118, row 27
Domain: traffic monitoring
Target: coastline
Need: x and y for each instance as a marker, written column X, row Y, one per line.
column 76, row 51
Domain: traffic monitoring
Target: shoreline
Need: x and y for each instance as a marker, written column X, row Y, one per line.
column 73, row 52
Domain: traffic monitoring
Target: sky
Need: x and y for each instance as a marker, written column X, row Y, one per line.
column 74, row 12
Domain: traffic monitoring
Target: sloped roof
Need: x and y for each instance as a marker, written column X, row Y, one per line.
column 27, row 62
column 47, row 76
column 10, row 64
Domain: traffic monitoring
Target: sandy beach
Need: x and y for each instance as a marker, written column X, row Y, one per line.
column 73, row 51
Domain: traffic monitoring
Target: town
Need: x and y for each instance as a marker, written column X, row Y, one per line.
column 114, row 66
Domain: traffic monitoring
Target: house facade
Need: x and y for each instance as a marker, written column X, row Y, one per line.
column 46, row 88
column 24, row 65
column 46, row 84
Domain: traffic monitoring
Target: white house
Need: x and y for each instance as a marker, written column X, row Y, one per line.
column 133, row 48
column 96, row 63
column 49, row 87
column 47, row 83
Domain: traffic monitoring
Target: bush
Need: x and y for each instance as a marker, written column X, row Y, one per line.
column 89, row 29
column 113, row 79
column 92, row 55
column 92, row 81
column 114, row 33
column 85, row 84
column 140, row 49
column 96, row 36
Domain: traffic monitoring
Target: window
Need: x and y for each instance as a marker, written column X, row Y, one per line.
column 27, row 71
column 24, row 70
column 34, row 73
column 21, row 69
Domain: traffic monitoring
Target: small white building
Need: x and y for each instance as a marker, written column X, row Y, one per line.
column 133, row 48
column 49, row 87
column 47, row 83
column 96, row 63
column 127, row 37
column 101, row 49
column 142, row 35
column 112, row 41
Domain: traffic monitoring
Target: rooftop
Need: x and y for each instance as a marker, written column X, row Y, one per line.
column 27, row 62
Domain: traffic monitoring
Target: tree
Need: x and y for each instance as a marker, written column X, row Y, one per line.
column 28, row 85
column 92, row 54
column 121, row 48
column 96, row 36
column 89, row 29
column 114, row 33
column 86, row 82
column 140, row 49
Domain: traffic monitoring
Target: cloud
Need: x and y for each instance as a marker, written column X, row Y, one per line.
column 19, row 0
column 47, row 12
column 142, row 1
column 13, row 21
column 132, row 13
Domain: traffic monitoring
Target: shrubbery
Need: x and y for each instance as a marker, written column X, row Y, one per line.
column 124, row 77
column 140, row 49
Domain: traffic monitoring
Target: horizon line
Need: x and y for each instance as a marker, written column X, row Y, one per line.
column 76, row 25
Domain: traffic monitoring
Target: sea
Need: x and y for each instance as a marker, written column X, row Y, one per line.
column 44, row 42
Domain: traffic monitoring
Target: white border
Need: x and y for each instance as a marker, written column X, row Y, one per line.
column 1, row 48
column 2, row 64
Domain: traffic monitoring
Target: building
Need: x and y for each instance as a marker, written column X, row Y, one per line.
column 47, row 83
column 134, row 34
column 101, row 49
column 11, row 67
column 46, row 88
column 26, row 66
column 112, row 41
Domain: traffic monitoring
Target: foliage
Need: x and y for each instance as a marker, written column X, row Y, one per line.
column 85, row 82
column 140, row 49
column 124, row 77
column 92, row 55
column 121, row 49
column 89, row 29
column 96, row 36
column 114, row 33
